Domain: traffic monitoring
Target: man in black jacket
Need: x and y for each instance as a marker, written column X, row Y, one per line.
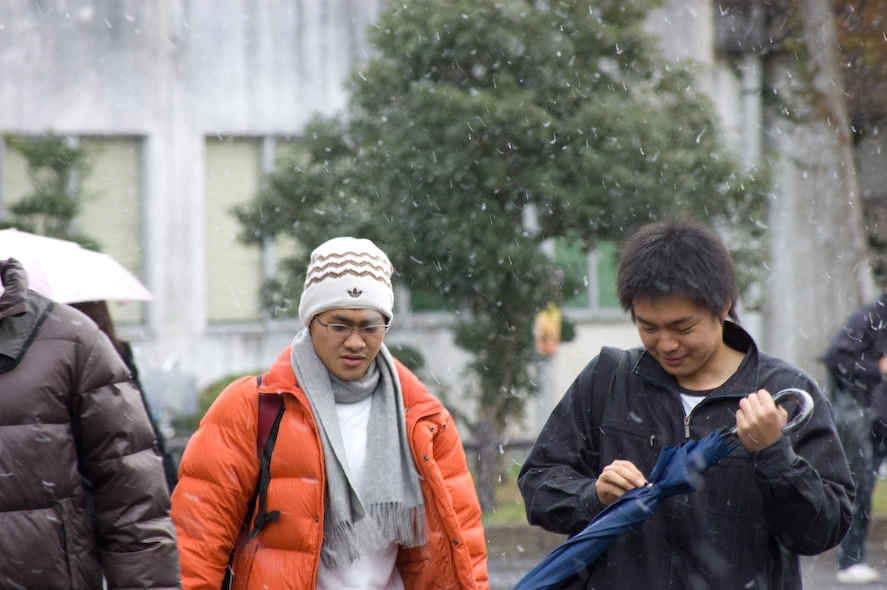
column 856, row 358
column 774, row 498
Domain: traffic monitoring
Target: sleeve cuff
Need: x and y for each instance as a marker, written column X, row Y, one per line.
column 775, row 459
column 591, row 502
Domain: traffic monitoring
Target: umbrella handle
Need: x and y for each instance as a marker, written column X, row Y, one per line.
column 805, row 411
column 804, row 400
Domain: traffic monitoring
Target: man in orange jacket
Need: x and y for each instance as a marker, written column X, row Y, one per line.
column 368, row 479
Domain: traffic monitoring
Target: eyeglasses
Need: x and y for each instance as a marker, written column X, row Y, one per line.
column 344, row 330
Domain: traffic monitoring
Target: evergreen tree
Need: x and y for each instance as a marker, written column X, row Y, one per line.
column 479, row 129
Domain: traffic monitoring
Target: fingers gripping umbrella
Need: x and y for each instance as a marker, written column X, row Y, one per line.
column 65, row 272
column 678, row 470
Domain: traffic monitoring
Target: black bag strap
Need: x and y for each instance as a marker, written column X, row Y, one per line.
column 270, row 412
column 601, row 384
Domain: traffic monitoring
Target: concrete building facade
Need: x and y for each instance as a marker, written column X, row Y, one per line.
column 192, row 100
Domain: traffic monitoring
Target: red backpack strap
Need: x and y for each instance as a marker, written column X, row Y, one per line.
column 269, row 405
column 270, row 413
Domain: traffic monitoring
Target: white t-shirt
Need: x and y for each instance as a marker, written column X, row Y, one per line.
column 375, row 570
column 691, row 400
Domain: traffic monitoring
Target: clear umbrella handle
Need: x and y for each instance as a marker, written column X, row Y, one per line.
column 805, row 407
column 805, row 410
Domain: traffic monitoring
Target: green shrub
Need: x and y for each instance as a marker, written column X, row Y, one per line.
column 208, row 395
column 409, row 356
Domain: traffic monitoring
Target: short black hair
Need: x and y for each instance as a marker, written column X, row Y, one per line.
column 677, row 258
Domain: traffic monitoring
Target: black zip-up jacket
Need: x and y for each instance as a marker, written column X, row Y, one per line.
column 752, row 514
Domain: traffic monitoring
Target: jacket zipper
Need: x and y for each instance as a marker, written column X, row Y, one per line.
column 705, row 400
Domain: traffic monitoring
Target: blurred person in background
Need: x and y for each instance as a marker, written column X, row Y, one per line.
column 99, row 313
column 856, row 360
column 83, row 501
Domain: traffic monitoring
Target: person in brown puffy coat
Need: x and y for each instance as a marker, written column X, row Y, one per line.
column 83, row 498
column 99, row 313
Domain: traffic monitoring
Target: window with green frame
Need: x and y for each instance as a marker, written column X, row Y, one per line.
column 112, row 208
column 599, row 293
column 109, row 198
column 233, row 270
column 607, row 269
column 595, row 272
column 424, row 300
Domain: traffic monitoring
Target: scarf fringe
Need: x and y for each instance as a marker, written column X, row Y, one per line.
column 386, row 523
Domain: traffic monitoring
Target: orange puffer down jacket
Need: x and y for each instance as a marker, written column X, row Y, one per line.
column 219, row 471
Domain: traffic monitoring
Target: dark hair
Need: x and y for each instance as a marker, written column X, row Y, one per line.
column 99, row 313
column 677, row 257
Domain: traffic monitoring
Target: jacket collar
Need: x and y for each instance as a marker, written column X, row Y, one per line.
column 743, row 381
column 15, row 283
column 22, row 312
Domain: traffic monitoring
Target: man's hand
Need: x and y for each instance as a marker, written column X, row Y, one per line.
column 759, row 421
column 617, row 478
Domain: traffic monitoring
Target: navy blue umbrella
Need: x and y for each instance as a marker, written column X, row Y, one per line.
column 678, row 470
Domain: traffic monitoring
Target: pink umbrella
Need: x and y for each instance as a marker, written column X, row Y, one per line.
column 65, row 272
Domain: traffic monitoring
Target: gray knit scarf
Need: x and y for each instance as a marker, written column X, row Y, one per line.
column 392, row 509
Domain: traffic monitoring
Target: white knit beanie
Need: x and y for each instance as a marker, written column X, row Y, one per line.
column 347, row 273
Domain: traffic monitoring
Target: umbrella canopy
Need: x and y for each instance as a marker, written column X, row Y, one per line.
column 65, row 272
column 678, row 470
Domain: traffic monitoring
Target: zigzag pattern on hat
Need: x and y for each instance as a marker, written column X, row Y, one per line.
column 341, row 264
column 347, row 273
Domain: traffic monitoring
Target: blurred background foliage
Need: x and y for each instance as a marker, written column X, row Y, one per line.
column 477, row 133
